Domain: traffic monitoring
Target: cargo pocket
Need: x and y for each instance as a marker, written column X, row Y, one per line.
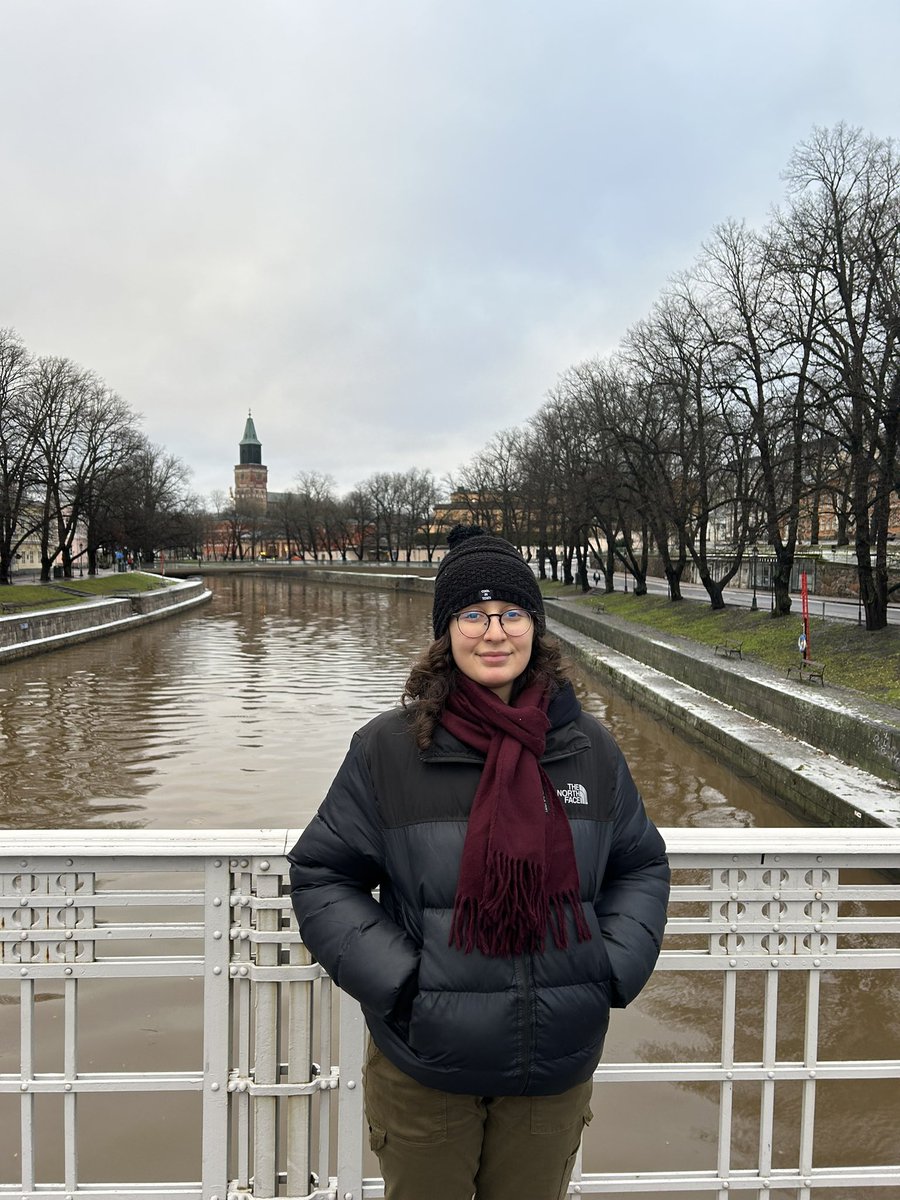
column 567, row 1175
column 569, row 1167
column 376, row 1138
column 556, row 1114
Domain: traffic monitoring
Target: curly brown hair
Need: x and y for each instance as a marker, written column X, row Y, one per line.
column 433, row 678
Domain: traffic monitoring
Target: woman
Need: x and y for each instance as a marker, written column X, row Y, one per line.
column 523, row 893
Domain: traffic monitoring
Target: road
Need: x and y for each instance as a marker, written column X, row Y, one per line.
column 819, row 606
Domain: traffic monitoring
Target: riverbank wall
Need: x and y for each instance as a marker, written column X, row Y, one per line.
column 27, row 633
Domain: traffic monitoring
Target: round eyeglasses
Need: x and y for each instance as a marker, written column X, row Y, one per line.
column 474, row 623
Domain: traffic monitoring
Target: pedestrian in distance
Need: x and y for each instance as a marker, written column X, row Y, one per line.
column 523, row 892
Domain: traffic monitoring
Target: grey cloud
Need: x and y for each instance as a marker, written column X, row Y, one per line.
column 386, row 227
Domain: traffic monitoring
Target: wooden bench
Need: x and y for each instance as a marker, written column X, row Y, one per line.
column 807, row 671
column 730, row 648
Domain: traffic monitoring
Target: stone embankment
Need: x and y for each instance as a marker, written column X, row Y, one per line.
column 27, row 633
column 825, row 753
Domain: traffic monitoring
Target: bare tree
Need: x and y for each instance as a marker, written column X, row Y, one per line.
column 105, row 438
column 356, row 522
column 765, row 341
column 234, row 529
column 621, row 530
column 19, row 472
column 57, row 395
column 384, row 492
column 539, row 461
column 418, row 494
column 154, row 496
column 493, row 488
column 846, row 189
column 316, row 523
column 214, row 523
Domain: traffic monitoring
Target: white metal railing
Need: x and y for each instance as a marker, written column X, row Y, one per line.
column 763, row 922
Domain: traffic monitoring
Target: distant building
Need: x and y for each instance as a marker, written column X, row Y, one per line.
column 251, row 528
column 251, row 476
column 28, row 555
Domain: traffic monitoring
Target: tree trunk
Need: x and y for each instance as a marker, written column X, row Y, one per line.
column 581, row 555
column 673, row 571
column 873, row 587
column 872, row 583
column 568, row 578
column 714, row 590
column 640, row 574
column 781, row 584
column 673, row 578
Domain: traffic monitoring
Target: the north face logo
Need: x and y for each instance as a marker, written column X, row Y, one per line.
column 573, row 793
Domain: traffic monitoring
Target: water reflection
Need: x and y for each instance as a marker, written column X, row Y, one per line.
column 235, row 715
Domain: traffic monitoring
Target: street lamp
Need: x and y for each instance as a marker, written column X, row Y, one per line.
column 753, row 605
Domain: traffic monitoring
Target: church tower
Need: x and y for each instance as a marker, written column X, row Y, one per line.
column 251, row 478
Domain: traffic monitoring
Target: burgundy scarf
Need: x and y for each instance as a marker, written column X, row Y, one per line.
column 518, row 867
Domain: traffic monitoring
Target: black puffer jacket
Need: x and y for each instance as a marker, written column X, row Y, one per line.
column 396, row 818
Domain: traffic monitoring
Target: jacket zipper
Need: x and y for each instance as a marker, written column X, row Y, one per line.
column 525, row 978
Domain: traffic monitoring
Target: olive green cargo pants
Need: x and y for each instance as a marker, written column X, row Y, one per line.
column 436, row 1145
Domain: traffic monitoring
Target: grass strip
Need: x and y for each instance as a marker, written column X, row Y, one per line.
column 868, row 663
column 31, row 597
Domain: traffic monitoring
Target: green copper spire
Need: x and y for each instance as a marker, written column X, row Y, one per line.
column 250, row 437
column 251, row 446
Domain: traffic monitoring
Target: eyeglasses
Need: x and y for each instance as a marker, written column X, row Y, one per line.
column 473, row 623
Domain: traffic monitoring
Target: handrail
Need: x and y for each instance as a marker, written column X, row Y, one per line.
column 186, row 843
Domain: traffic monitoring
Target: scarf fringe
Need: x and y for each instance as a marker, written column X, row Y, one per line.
column 512, row 915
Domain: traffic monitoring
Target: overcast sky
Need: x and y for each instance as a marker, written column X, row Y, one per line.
column 386, row 226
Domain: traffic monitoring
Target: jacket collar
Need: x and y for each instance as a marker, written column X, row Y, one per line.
column 564, row 737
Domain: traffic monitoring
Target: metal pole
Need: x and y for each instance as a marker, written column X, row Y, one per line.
column 753, row 605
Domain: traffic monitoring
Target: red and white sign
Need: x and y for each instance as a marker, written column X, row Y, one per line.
column 804, row 599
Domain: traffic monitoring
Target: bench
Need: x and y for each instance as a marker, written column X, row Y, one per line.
column 730, row 648
column 807, row 671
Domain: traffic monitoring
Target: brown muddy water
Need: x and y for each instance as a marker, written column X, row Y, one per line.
column 237, row 716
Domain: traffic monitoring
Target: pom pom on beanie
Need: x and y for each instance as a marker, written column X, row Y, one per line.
column 480, row 567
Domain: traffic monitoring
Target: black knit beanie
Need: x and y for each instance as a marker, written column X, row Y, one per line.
column 477, row 567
